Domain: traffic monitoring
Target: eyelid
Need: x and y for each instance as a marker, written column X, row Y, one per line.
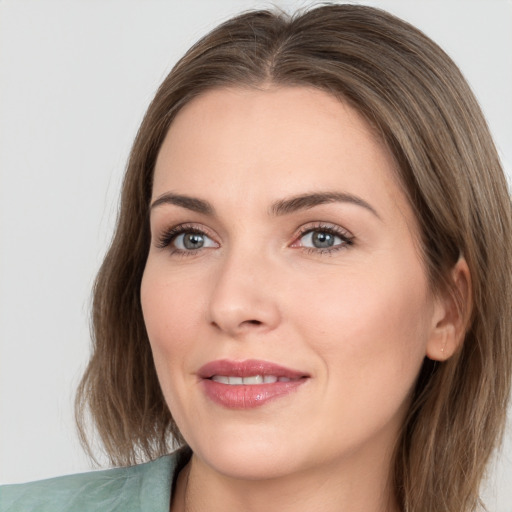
column 346, row 239
column 328, row 227
column 168, row 235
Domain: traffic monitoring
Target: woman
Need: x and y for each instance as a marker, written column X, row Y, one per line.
column 307, row 286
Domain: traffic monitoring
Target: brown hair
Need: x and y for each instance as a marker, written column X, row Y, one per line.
column 416, row 98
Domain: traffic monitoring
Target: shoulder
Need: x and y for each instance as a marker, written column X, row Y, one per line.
column 132, row 489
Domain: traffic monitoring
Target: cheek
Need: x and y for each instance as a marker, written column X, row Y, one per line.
column 372, row 329
column 170, row 309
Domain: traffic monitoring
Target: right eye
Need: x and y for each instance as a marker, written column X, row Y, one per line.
column 185, row 240
column 192, row 240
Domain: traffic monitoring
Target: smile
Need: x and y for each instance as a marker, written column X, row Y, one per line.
column 248, row 384
column 250, row 381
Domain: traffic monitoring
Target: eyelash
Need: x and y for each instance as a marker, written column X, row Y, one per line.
column 169, row 235
column 346, row 238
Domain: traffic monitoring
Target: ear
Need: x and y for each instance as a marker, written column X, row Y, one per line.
column 452, row 311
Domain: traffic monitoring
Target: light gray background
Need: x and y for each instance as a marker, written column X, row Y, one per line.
column 75, row 79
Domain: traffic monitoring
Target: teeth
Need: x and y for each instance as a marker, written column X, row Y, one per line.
column 257, row 379
column 221, row 379
column 248, row 381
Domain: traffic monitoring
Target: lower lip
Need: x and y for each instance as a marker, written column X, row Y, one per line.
column 248, row 396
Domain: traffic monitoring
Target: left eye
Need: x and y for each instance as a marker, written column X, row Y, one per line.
column 190, row 240
column 321, row 239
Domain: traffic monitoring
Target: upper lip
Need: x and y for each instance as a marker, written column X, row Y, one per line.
column 247, row 368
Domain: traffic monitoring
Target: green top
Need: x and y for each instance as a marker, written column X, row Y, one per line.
column 145, row 487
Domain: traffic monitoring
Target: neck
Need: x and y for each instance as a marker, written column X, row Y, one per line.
column 343, row 485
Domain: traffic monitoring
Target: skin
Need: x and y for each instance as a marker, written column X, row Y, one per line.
column 359, row 320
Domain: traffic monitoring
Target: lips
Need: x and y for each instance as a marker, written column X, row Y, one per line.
column 248, row 384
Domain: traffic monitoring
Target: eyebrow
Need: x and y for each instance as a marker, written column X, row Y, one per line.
column 190, row 203
column 281, row 207
column 306, row 201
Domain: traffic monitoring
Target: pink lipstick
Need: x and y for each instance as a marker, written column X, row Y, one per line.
column 248, row 384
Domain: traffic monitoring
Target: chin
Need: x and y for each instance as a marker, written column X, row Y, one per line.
column 250, row 455
column 250, row 463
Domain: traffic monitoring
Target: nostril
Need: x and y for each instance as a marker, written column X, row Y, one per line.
column 245, row 322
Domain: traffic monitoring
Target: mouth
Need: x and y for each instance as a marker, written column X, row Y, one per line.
column 248, row 384
column 250, row 381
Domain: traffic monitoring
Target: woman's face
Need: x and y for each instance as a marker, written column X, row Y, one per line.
column 284, row 297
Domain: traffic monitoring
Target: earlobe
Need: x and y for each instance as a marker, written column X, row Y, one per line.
column 452, row 311
column 443, row 343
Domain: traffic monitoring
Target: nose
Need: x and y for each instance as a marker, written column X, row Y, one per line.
column 244, row 297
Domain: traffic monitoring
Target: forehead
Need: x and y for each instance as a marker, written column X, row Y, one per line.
column 245, row 143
